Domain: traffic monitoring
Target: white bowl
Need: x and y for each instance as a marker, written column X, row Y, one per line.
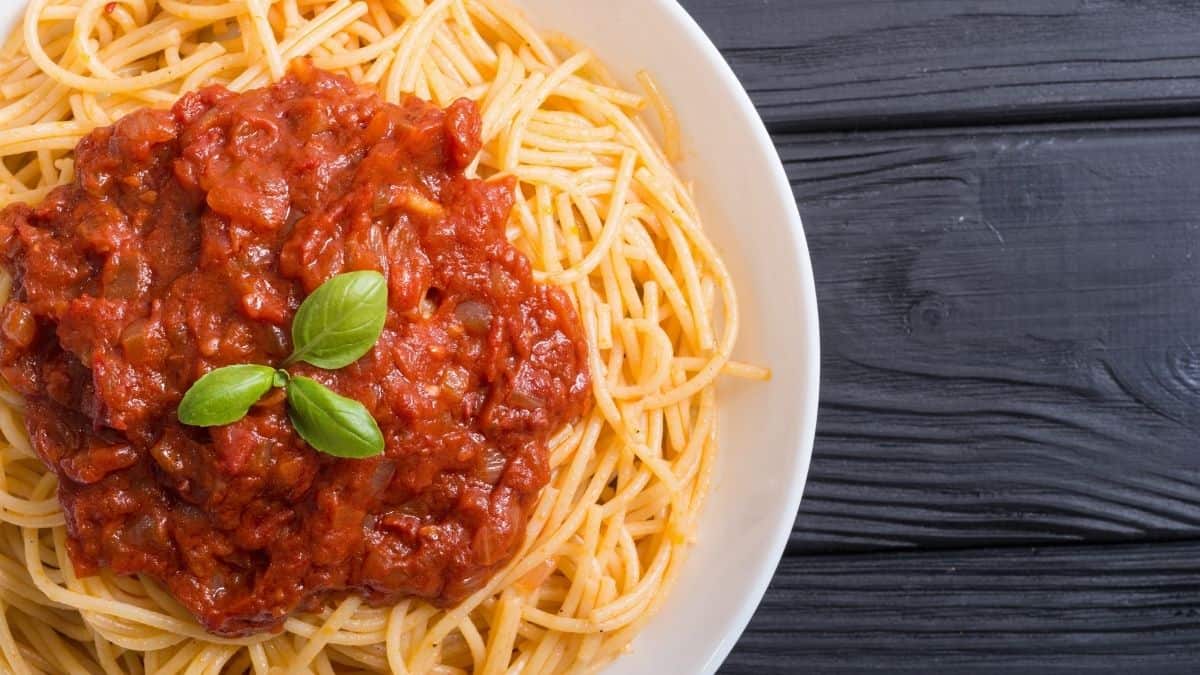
column 766, row 430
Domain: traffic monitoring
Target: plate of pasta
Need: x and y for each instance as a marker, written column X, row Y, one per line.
column 408, row 336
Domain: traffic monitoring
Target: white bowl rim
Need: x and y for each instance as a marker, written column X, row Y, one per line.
column 781, row 186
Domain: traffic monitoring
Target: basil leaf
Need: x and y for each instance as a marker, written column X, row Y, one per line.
column 225, row 395
column 340, row 321
column 333, row 424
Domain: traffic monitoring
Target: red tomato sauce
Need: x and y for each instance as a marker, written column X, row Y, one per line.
column 186, row 242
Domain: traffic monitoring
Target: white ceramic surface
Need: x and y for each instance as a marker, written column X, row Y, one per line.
column 766, row 430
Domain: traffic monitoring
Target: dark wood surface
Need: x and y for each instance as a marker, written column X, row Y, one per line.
column 1002, row 201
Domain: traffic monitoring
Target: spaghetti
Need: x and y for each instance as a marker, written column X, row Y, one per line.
column 600, row 212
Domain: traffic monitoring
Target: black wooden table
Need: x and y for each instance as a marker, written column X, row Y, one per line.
column 1002, row 199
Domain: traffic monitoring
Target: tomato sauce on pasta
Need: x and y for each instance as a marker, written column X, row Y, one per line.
column 185, row 243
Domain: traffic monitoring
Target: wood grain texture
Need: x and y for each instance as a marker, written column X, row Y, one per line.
column 845, row 64
column 1010, row 335
column 1061, row 609
column 1001, row 201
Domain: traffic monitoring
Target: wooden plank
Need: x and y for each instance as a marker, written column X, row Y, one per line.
column 1121, row 609
column 1011, row 335
column 854, row 64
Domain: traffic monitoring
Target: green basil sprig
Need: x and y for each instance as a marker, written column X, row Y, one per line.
column 335, row 326
column 225, row 395
column 340, row 322
column 335, row 424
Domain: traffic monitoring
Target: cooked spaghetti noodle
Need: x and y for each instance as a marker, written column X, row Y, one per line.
column 600, row 212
